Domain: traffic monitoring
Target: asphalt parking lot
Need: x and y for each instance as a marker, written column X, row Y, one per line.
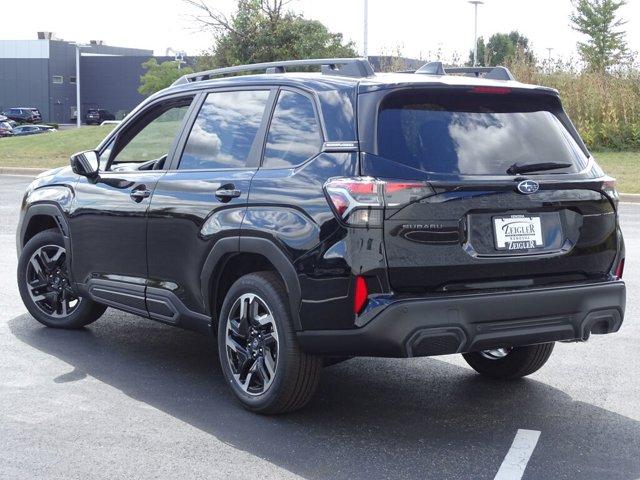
column 130, row 398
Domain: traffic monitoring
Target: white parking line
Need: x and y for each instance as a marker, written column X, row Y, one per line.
column 515, row 462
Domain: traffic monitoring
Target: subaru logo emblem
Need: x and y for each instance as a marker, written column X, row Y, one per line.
column 528, row 186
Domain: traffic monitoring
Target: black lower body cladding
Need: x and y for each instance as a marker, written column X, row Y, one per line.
column 446, row 324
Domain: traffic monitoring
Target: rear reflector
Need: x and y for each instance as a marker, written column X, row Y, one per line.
column 619, row 270
column 360, row 296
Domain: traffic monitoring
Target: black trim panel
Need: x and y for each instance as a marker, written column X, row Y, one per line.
column 149, row 302
column 121, row 295
column 166, row 307
column 235, row 245
column 285, row 268
column 49, row 210
column 467, row 323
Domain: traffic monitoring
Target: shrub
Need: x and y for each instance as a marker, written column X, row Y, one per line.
column 604, row 107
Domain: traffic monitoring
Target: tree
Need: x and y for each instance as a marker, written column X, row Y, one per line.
column 481, row 53
column 262, row 31
column 501, row 48
column 605, row 45
column 160, row 75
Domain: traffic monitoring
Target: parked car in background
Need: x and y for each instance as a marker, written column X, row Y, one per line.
column 36, row 112
column 5, row 119
column 47, row 128
column 6, row 130
column 23, row 115
column 22, row 130
column 97, row 116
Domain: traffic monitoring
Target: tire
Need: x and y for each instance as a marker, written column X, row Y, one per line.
column 259, row 354
column 45, row 288
column 510, row 364
column 331, row 361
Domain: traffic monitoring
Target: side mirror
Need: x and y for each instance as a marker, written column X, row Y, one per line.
column 86, row 164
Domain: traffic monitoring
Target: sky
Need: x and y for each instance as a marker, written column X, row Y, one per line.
column 416, row 28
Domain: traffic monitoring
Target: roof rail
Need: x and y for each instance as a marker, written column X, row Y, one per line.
column 492, row 73
column 349, row 67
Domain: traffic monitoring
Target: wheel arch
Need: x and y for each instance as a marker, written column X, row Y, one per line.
column 232, row 257
column 40, row 217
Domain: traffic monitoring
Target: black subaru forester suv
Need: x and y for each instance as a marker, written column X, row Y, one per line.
column 306, row 218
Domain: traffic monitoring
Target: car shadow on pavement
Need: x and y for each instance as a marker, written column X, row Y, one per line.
column 371, row 418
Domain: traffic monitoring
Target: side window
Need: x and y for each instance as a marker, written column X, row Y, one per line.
column 294, row 134
column 151, row 137
column 224, row 130
column 104, row 156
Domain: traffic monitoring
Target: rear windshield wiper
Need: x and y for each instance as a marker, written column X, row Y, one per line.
column 536, row 167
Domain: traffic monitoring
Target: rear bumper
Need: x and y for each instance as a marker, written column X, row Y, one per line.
column 466, row 323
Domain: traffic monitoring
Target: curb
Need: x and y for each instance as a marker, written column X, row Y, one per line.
column 32, row 172
column 630, row 197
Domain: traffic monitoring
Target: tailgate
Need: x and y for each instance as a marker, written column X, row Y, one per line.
column 511, row 197
column 456, row 240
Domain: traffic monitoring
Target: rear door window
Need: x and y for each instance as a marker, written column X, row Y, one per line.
column 224, row 131
column 473, row 134
column 294, row 134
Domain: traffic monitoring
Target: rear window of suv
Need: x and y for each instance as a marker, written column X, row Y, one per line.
column 453, row 132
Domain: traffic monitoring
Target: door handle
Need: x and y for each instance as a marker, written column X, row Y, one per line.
column 227, row 192
column 139, row 193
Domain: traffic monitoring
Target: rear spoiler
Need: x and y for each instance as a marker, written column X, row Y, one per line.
column 490, row 73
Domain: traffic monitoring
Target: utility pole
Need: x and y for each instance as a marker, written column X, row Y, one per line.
column 366, row 28
column 549, row 59
column 475, row 4
column 78, row 109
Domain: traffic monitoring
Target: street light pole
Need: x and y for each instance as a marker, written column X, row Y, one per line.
column 366, row 28
column 475, row 4
column 78, row 119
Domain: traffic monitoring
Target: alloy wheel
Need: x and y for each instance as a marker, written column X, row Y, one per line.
column 48, row 282
column 251, row 343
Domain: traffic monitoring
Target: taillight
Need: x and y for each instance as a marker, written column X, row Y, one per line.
column 360, row 295
column 491, row 90
column 360, row 201
column 609, row 187
column 619, row 270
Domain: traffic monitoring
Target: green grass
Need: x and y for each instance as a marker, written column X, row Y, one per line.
column 624, row 167
column 49, row 150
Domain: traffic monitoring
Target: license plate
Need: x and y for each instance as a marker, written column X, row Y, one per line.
column 517, row 232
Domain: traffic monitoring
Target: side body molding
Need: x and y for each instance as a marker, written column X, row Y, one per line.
column 229, row 246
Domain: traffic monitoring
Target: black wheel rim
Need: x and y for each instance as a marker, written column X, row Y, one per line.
column 251, row 344
column 48, row 282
